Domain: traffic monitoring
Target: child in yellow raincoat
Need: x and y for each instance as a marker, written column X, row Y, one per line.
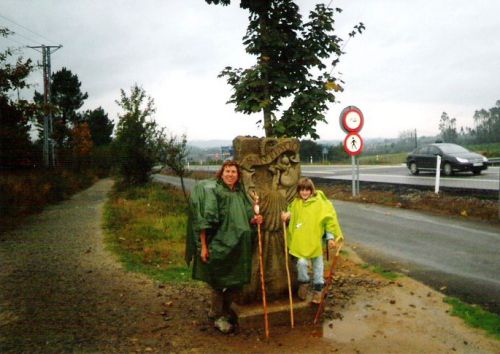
column 311, row 216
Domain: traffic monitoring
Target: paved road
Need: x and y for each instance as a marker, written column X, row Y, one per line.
column 440, row 251
column 462, row 256
column 398, row 174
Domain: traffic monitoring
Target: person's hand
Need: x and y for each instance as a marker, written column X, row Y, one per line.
column 285, row 215
column 331, row 244
column 257, row 219
column 204, row 254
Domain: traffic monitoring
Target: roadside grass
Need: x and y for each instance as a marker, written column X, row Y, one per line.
column 475, row 316
column 146, row 227
column 388, row 274
column 383, row 159
column 488, row 150
column 441, row 204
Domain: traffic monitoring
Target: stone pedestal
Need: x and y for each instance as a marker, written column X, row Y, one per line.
column 251, row 316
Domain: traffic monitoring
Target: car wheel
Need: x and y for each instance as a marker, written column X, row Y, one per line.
column 476, row 172
column 413, row 168
column 447, row 170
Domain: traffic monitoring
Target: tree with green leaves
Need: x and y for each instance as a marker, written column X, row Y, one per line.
column 309, row 149
column 101, row 127
column 291, row 56
column 66, row 98
column 448, row 128
column 173, row 152
column 136, row 133
column 487, row 125
column 16, row 149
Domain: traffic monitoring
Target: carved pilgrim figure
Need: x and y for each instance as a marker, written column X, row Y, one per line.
column 270, row 169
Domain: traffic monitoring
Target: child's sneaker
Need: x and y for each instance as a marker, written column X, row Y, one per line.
column 302, row 293
column 316, row 298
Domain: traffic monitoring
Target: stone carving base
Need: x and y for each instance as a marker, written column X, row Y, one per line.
column 251, row 316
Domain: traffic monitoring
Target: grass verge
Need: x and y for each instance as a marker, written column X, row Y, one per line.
column 475, row 316
column 146, row 227
column 382, row 271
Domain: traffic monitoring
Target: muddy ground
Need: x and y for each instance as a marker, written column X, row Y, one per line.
column 62, row 291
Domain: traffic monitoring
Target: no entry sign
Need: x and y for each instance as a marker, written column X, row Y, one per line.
column 353, row 144
column 351, row 119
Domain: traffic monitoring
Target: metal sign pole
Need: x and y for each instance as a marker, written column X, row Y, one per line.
column 353, row 177
column 351, row 121
column 357, row 176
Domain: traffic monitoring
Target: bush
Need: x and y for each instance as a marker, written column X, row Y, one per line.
column 26, row 192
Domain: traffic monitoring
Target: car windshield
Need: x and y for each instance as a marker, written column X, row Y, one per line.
column 452, row 149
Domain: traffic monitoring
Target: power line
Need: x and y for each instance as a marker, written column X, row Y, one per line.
column 48, row 144
column 13, row 40
column 27, row 29
column 23, row 36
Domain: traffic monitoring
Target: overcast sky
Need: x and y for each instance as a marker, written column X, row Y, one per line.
column 416, row 59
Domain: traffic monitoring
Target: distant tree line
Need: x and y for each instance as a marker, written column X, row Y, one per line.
column 77, row 136
column 486, row 127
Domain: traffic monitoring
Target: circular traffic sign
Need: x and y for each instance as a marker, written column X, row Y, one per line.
column 351, row 119
column 353, row 144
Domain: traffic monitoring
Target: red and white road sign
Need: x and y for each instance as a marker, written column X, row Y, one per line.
column 353, row 144
column 351, row 119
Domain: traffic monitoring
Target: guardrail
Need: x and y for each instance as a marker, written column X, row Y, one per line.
column 494, row 161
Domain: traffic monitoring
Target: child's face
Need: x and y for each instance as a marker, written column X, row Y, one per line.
column 305, row 193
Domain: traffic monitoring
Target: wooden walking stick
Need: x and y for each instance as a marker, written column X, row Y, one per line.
column 292, row 322
column 256, row 210
column 329, row 280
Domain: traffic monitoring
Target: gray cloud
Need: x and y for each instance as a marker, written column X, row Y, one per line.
column 415, row 60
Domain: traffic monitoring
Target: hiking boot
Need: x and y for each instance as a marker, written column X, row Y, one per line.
column 302, row 293
column 316, row 298
column 223, row 325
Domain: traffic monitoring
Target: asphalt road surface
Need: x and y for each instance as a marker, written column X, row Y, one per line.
column 397, row 174
column 460, row 258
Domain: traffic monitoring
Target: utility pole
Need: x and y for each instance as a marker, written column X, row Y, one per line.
column 48, row 145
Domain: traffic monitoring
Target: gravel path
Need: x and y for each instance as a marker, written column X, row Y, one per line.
column 61, row 291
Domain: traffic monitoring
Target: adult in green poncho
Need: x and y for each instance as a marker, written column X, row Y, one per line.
column 219, row 240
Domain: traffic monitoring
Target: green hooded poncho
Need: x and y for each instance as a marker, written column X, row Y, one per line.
column 225, row 215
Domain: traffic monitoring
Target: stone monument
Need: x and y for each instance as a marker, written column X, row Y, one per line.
column 270, row 168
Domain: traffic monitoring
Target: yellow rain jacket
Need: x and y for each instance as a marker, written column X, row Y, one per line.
column 310, row 219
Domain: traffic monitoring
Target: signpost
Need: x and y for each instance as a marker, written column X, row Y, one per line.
column 351, row 121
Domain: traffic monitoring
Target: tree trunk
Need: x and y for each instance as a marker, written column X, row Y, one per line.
column 268, row 123
column 268, row 126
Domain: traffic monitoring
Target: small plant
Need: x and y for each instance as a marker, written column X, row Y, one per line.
column 388, row 274
column 475, row 316
column 145, row 226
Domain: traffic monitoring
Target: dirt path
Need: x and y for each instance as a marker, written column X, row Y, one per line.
column 61, row 291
